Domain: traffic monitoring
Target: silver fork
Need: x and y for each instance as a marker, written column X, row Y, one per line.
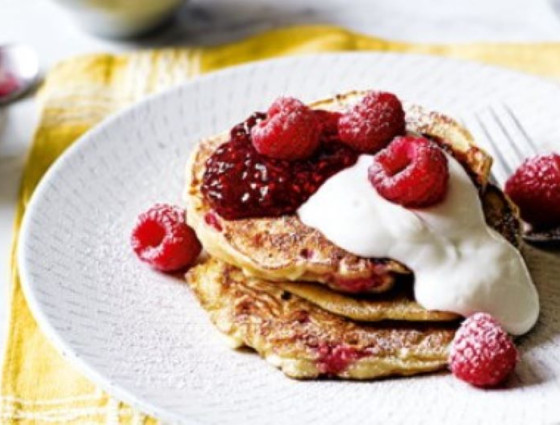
column 509, row 144
column 507, row 140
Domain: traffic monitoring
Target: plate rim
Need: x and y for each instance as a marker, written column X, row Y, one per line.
column 26, row 280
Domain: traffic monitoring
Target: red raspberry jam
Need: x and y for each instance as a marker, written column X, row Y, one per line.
column 358, row 285
column 240, row 183
column 212, row 220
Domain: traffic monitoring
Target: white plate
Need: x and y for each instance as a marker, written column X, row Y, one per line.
column 142, row 336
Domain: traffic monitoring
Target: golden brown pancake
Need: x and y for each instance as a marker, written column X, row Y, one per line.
column 396, row 304
column 283, row 248
column 304, row 340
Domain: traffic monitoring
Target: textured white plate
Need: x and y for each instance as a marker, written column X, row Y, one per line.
column 141, row 334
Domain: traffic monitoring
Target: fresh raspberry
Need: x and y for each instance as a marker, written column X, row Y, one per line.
column 411, row 171
column 373, row 122
column 290, row 131
column 535, row 188
column 482, row 353
column 162, row 238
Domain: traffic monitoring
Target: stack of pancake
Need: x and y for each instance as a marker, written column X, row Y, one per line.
column 273, row 284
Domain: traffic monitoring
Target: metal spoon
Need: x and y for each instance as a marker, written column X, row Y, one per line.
column 19, row 71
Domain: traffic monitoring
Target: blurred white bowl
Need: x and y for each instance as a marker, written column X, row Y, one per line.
column 121, row 18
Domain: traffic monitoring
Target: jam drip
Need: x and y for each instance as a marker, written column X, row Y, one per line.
column 240, row 183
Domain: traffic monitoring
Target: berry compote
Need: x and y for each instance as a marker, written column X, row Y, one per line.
column 240, row 183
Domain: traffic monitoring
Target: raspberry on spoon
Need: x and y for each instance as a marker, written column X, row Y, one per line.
column 535, row 188
column 411, row 171
column 482, row 353
column 162, row 238
column 290, row 131
column 373, row 122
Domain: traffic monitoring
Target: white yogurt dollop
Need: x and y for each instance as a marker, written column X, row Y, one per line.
column 459, row 263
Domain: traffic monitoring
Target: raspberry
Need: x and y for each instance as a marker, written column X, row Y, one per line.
column 9, row 83
column 535, row 188
column 290, row 131
column 334, row 359
column 482, row 353
column 373, row 122
column 411, row 171
column 162, row 238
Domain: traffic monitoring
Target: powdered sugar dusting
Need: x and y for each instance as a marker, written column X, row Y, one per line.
column 482, row 353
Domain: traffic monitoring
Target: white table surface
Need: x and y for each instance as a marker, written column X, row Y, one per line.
column 46, row 27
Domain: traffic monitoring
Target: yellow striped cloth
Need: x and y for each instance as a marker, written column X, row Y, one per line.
column 38, row 385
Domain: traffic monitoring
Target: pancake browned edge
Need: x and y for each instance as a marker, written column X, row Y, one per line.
column 283, row 248
column 304, row 340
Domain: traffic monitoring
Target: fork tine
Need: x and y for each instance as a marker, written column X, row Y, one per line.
column 500, row 161
column 530, row 142
column 518, row 153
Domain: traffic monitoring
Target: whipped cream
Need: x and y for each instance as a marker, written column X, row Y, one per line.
column 459, row 263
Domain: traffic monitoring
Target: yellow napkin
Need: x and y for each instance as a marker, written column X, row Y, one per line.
column 38, row 385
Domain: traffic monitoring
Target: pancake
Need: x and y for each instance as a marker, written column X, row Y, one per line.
column 397, row 304
column 304, row 340
column 283, row 248
column 502, row 215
